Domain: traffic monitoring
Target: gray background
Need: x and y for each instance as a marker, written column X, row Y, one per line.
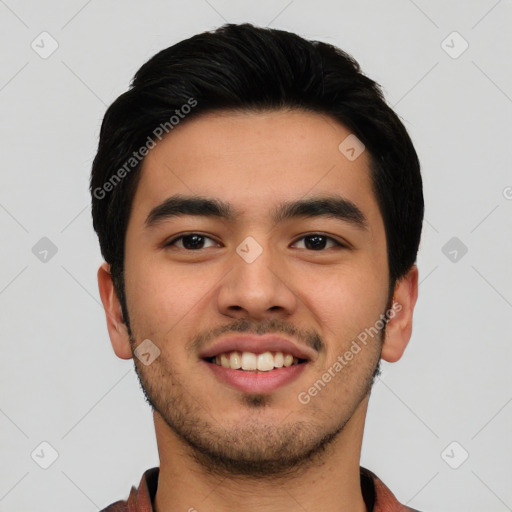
column 60, row 381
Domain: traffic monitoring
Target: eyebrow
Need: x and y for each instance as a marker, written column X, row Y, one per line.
column 325, row 206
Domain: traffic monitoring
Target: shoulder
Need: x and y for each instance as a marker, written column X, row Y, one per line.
column 118, row 506
column 141, row 498
column 384, row 499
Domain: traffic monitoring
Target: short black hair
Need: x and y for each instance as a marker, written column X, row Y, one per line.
column 242, row 67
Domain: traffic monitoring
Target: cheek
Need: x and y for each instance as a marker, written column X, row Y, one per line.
column 344, row 303
column 345, row 292
column 161, row 296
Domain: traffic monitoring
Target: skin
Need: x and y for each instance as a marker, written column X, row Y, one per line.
column 220, row 449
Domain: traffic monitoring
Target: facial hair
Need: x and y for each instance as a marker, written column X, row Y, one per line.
column 253, row 448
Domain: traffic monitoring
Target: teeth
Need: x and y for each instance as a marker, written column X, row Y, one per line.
column 249, row 361
column 235, row 360
column 288, row 360
column 265, row 362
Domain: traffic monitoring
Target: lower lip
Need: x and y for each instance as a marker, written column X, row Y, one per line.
column 254, row 381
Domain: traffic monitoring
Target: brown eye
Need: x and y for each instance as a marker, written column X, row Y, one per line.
column 190, row 242
column 318, row 242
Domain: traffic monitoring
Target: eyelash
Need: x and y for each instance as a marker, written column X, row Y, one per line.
column 174, row 240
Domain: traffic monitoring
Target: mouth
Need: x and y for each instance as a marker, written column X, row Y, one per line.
column 252, row 372
column 253, row 362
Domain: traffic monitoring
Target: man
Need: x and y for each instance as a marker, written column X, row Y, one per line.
column 259, row 209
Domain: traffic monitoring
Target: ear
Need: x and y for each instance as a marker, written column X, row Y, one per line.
column 399, row 326
column 116, row 328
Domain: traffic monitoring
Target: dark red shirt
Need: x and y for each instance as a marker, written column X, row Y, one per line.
column 377, row 497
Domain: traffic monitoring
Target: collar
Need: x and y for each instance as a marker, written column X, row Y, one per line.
column 377, row 497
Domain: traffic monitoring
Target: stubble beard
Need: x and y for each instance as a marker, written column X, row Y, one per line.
column 252, row 449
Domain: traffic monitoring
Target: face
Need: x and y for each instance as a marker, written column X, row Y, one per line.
column 315, row 275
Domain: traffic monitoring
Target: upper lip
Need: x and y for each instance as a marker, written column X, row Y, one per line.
column 258, row 345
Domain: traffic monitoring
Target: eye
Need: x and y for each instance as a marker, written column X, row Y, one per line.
column 191, row 241
column 318, row 242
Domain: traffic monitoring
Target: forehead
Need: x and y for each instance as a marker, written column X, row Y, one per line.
column 254, row 160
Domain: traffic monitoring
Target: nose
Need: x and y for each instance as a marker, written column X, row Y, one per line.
column 257, row 289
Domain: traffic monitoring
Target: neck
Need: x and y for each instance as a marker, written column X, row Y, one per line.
column 332, row 482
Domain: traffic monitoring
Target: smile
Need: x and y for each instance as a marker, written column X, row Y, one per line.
column 250, row 361
column 249, row 372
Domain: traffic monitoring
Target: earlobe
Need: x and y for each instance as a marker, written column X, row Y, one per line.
column 399, row 326
column 117, row 331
